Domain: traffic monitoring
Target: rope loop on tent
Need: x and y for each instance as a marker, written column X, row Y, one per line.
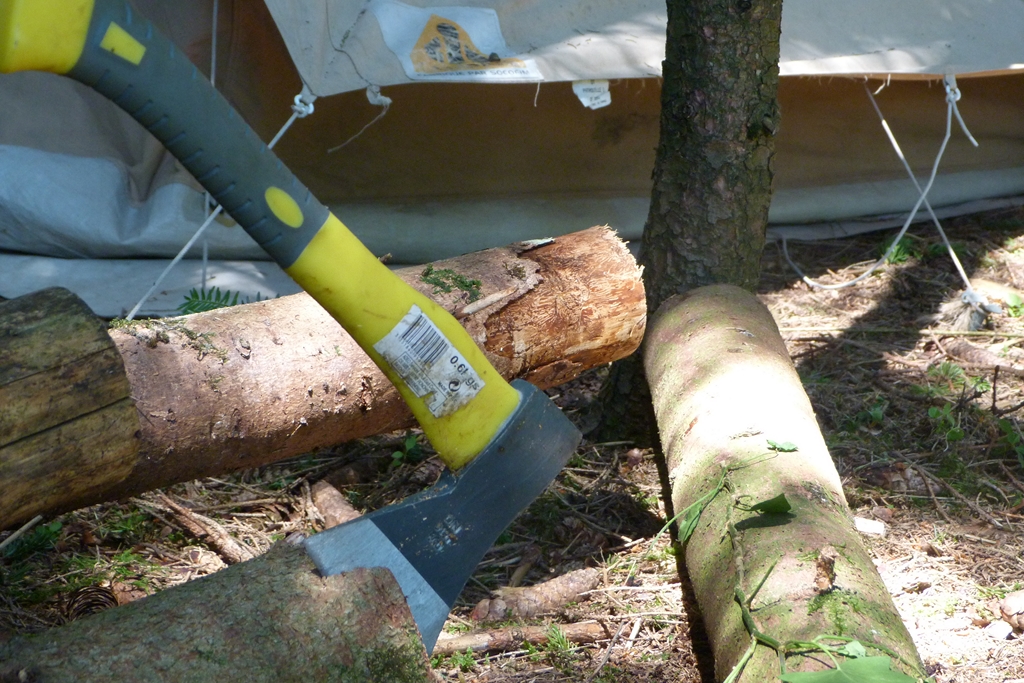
column 969, row 297
column 302, row 107
column 374, row 96
column 953, row 96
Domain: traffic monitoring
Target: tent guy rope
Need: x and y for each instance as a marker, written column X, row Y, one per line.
column 302, row 107
column 969, row 297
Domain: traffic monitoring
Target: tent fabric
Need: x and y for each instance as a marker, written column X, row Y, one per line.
column 338, row 46
column 909, row 38
column 561, row 168
column 457, row 166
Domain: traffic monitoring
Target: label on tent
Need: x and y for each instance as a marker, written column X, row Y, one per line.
column 450, row 44
column 593, row 94
column 426, row 361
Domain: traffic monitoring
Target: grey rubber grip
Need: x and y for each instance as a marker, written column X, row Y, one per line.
column 177, row 104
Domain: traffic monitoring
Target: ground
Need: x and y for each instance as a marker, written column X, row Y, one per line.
column 908, row 402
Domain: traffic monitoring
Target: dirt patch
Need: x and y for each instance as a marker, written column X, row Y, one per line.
column 925, row 432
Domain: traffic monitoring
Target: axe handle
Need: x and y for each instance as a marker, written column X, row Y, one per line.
column 108, row 47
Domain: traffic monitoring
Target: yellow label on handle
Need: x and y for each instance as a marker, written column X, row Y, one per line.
column 121, row 43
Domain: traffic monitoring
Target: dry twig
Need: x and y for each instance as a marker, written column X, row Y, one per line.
column 207, row 530
column 959, row 496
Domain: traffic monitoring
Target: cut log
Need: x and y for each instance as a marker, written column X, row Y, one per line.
column 270, row 619
column 249, row 385
column 734, row 418
column 68, row 428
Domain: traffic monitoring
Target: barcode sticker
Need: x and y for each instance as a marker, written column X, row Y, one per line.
column 426, row 361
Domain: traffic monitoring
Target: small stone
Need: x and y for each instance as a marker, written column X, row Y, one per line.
column 870, row 527
column 999, row 630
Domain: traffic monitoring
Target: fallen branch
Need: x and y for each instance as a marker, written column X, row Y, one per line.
column 332, row 504
column 928, row 476
column 208, row 531
column 514, row 637
column 531, row 601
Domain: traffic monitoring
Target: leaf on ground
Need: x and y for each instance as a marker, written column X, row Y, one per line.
column 861, row 670
column 782, row 446
column 773, row 506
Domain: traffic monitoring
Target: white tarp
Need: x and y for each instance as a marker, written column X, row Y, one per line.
column 901, row 37
column 337, row 45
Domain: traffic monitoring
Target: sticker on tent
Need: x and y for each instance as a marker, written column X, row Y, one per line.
column 450, row 44
column 593, row 94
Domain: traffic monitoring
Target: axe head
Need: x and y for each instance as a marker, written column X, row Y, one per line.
column 433, row 541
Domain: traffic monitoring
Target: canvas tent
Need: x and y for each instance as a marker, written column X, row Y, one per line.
column 487, row 128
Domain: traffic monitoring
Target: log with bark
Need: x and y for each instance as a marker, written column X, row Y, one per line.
column 270, row 619
column 249, row 385
column 738, row 431
column 67, row 422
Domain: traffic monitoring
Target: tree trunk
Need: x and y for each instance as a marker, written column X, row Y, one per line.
column 271, row 619
column 712, row 171
column 245, row 386
column 728, row 400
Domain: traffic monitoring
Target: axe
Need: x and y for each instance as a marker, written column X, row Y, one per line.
column 503, row 443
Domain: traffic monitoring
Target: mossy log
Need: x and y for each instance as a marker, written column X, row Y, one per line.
column 249, row 385
column 270, row 619
column 728, row 400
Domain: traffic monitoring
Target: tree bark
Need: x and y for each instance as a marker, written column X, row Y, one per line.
column 712, row 171
column 271, row 619
column 245, row 386
column 724, row 391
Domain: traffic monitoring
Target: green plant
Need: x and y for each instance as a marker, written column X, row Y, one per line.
column 37, row 540
column 1011, row 439
column 201, row 300
column 1014, row 305
column 557, row 640
column 445, row 280
column 872, row 416
column 127, row 526
column 409, row 452
column 905, row 250
column 950, row 372
column 947, row 422
column 464, row 661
